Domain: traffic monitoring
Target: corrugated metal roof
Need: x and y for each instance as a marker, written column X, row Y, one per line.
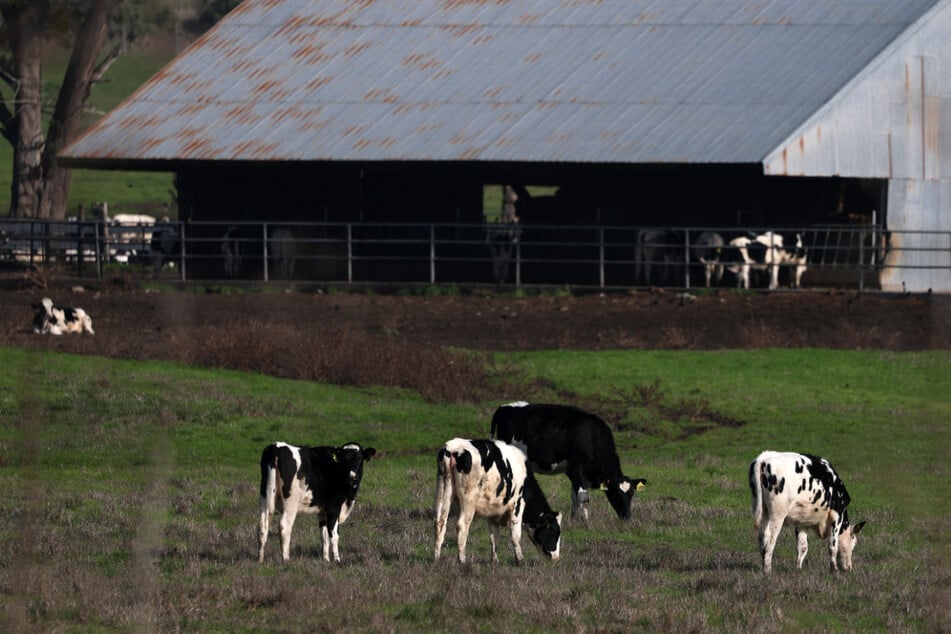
column 615, row 81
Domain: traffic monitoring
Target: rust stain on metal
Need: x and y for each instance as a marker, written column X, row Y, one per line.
column 454, row 4
column 493, row 93
column 529, row 18
column 421, row 61
column 319, row 82
column 460, row 30
column 532, row 58
column 356, row 49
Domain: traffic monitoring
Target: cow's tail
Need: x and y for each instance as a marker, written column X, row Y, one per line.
column 756, row 489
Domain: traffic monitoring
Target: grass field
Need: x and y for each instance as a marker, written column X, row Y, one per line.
column 132, row 491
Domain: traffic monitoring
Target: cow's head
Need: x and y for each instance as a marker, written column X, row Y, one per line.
column 620, row 492
column 351, row 458
column 545, row 532
column 46, row 321
column 848, row 537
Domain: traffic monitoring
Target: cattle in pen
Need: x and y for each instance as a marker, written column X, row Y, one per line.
column 491, row 479
column 166, row 245
column 804, row 492
column 764, row 252
column 564, row 439
column 285, row 251
column 657, row 255
column 313, row 480
column 706, row 249
column 55, row 320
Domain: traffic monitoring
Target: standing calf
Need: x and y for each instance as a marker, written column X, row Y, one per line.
column 805, row 492
column 321, row 480
column 491, row 479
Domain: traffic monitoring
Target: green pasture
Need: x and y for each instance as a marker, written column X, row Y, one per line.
column 131, row 494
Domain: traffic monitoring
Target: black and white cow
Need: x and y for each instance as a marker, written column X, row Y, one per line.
column 491, row 479
column 764, row 252
column 805, row 492
column 56, row 321
column 563, row 439
column 706, row 249
column 321, row 480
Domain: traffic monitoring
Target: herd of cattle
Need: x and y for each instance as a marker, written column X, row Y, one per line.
column 495, row 478
column 660, row 253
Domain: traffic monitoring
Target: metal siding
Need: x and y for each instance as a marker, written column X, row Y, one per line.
column 504, row 80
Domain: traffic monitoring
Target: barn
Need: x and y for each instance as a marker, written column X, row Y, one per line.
column 734, row 114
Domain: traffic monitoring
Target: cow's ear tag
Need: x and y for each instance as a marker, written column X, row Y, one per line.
column 604, row 486
column 336, row 457
column 640, row 486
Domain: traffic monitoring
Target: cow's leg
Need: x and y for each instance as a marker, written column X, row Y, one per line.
column 334, row 529
column 803, row 545
column 579, row 496
column 769, row 531
column 493, row 538
column 579, row 500
column 462, row 528
column 834, row 545
column 773, row 276
column 516, row 526
column 286, row 526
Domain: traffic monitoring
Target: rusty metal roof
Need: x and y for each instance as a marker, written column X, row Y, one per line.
column 606, row 81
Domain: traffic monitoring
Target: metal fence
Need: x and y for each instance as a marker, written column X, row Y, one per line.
column 434, row 253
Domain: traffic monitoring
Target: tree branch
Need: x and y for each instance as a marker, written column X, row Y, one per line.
column 103, row 66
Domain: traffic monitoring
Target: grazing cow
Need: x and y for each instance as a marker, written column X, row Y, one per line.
column 231, row 251
column 563, row 439
column 491, row 479
column 706, row 250
column 56, row 321
column 803, row 491
column 321, row 480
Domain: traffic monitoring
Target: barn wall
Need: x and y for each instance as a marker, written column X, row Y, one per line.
column 893, row 121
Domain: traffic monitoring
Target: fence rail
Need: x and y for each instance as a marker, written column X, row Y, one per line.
column 581, row 255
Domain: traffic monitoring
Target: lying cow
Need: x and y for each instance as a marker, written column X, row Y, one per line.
column 562, row 439
column 805, row 492
column 491, row 479
column 321, row 480
column 56, row 321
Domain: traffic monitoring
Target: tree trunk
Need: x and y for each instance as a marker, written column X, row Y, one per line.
column 40, row 187
column 27, row 181
column 81, row 74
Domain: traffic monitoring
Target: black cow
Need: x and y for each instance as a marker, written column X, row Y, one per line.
column 321, row 480
column 563, row 439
